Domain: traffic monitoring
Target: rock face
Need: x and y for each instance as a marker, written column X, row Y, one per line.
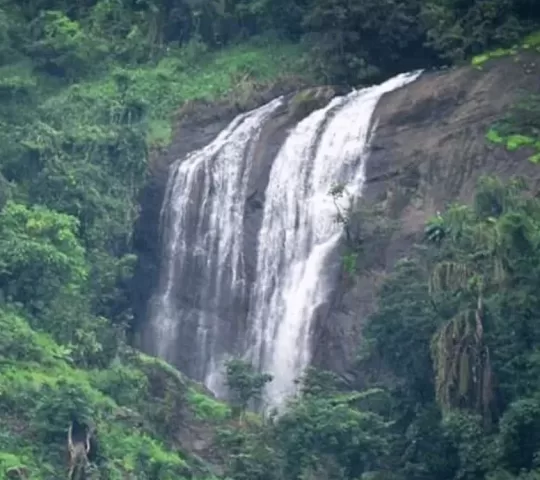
column 429, row 148
column 199, row 124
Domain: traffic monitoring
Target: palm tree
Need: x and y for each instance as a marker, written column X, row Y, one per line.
column 475, row 263
column 461, row 357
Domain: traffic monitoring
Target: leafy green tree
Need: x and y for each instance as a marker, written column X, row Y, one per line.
column 62, row 47
column 460, row 29
column 330, row 434
column 404, row 322
column 245, row 383
column 519, row 440
column 359, row 39
column 471, row 448
column 319, row 383
column 43, row 270
column 475, row 264
column 250, row 453
column 41, row 258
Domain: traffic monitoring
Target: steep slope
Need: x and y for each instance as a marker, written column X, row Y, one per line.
column 146, row 419
column 429, row 149
column 199, row 123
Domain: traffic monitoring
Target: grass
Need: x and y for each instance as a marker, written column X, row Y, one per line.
column 519, row 128
column 160, row 90
column 206, row 408
column 531, row 42
column 515, row 142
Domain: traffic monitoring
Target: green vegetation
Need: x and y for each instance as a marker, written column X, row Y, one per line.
column 531, row 42
column 520, row 128
column 130, row 406
column 88, row 93
column 447, row 378
column 365, row 228
column 245, row 384
column 206, row 408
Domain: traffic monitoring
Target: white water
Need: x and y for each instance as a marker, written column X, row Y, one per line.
column 202, row 217
column 202, row 224
column 300, row 231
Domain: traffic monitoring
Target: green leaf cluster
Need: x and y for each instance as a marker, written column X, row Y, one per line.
column 520, row 128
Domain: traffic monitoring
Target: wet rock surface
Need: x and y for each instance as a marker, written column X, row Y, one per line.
column 198, row 125
column 429, row 149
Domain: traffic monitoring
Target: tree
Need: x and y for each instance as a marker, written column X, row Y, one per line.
column 360, row 40
column 459, row 29
column 326, row 433
column 475, row 262
column 469, row 294
column 40, row 256
column 245, row 383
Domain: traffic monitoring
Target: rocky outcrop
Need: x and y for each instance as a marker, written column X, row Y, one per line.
column 198, row 124
column 429, row 149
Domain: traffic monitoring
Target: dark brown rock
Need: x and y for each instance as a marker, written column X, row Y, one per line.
column 198, row 124
column 429, row 149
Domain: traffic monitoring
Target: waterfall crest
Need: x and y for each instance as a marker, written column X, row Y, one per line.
column 203, row 288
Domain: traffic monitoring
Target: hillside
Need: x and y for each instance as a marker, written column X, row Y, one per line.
column 136, row 409
column 92, row 95
column 82, row 114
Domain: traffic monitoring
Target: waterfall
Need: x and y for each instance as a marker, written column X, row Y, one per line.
column 300, row 231
column 201, row 223
column 203, row 288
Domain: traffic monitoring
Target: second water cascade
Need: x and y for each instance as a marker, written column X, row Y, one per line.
column 204, row 285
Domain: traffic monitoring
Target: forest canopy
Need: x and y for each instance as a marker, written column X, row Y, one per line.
column 348, row 39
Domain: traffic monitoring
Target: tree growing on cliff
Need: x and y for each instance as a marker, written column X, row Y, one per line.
column 475, row 262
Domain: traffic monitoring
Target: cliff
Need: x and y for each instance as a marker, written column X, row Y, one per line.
column 198, row 123
column 428, row 149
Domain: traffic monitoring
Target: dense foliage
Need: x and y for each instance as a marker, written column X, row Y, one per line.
column 245, row 384
column 88, row 90
column 350, row 39
column 87, row 93
column 132, row 407
column 455, row 340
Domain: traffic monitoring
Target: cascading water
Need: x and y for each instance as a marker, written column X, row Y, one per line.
column 300, row 231
column 203, row 284
column 201, row 223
